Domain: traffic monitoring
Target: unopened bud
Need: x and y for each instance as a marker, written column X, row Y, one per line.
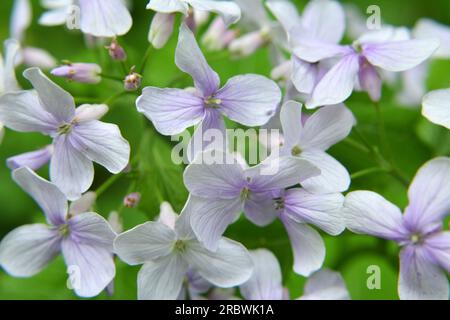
column 2, row 132
column 116, row 51
column 218, row 36
column 161, row 29
column 115, row 222
column 249, row 43
column 132, row 200
column 79, row 72
column 132, row 81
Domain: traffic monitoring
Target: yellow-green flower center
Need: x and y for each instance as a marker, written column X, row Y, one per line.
column 296, row 151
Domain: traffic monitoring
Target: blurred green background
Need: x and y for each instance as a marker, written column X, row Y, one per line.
column 413, row 141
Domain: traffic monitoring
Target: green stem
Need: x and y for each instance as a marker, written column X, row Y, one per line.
column 367, row 171
column 114, row 97
column 145, row 59
column 111, row 77
column 108, row 183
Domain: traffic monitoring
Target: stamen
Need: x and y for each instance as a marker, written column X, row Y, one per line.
column 180, row 246
column 296, row 151
column 212, row 102
column 64, row 128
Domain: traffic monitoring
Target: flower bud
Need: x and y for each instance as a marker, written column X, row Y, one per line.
column 88, row 112
column 248, row 44
column 36, row 57
column 2, row 132
column 132, row 81
column 33, row 160
column 84, row 204
column 116, row 51
column 282, row 72
column 115, row 221
column 161, row 29
column 79, row 72
column 217, row 37
column 369, row 80
column 132, row 200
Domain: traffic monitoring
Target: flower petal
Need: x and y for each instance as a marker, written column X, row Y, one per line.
column 70, row 170
column 211, row 217
column 399, row 55
column 436, row 107
column 54, row 17
column 22, row 111
column 291, row 122
column 337, row 84
column 249, row 99
column 438, row 245
column 323, row 211
column 161, row 29
column 304, row 75
column 427, row 28
column 190, row 59
column 230, row 265
column 265, row 282
column 102, row 143
column 326, row 127
column 33, row 160
column 285, row 12
column 325, row 20
column 102, row 18
column 51, row 200
column 216, row 180
column 162, row 279
column 170, row 110
column 307, row 246
column 168, row 6
column 9, row 80
column 429, row 195
column 25, row 251
column 419, row 278
column 325, row 285
column 333, row 177
column 367, row 212
column 145, row 242
column 260, row 209
column 228, row 10
column 54, row 99
column 21, row 17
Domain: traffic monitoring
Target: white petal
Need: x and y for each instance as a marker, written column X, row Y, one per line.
column 145, row 242
column 167, row 216
column 170, row 110
column 285, row 12
column 427, row 28
column 333, row 177
column 230, row 265
column 54, row 17
column 324, row 211
column 367, row 212
column 307, row 246
column 304, row 75
column 102, row 143
column 84, row 204
column 249, row 99
column 104, row 18
column 161, row 29
column 265, row 282
column 51, row 200
column 291, row 122
column 70, row 170
column 326, row 127
column 325, row 285
column 429, row 195
column 399, row 55
column 36, row 57
column 325, row 20
column 260, row 209
column 436, row 107
column 190, row 59
column 337, row 84
column 88, row 112
column 21, row 16
column 419, row 278
column 210, row 218
column 228, row 10
column 54, row 99
column 168, row 6
column 25, row 251
column 162, row 279
column 9, row 80
column 22, row 111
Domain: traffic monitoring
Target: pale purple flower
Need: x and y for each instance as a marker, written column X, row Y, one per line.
column 79, row 72
column 116, row 51
column 79, row 139
column 310, row 137
column 322, row 20
column 167, row 255
column 161, row 27
column 219, row 192
column 266, row 282
column 436, row 107
column 100, row 18
column 359, row 63
column 425, row 246
column 247, row 99
column 85, row 240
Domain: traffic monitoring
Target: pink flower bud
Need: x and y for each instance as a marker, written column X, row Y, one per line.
column 132, row 81
column 249, row 43
column 79, row 72
column 132, row 200
column 217, row 37
column 161, row 29
column 116, row 51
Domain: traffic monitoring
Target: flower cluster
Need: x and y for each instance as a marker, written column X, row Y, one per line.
column 299, row 184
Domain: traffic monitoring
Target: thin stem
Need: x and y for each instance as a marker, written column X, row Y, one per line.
column 111, row 77
column 366, row 172
column 145, row 59
column 108, row 183
column 125, row 69
column 382, row 136
column 114, row 97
